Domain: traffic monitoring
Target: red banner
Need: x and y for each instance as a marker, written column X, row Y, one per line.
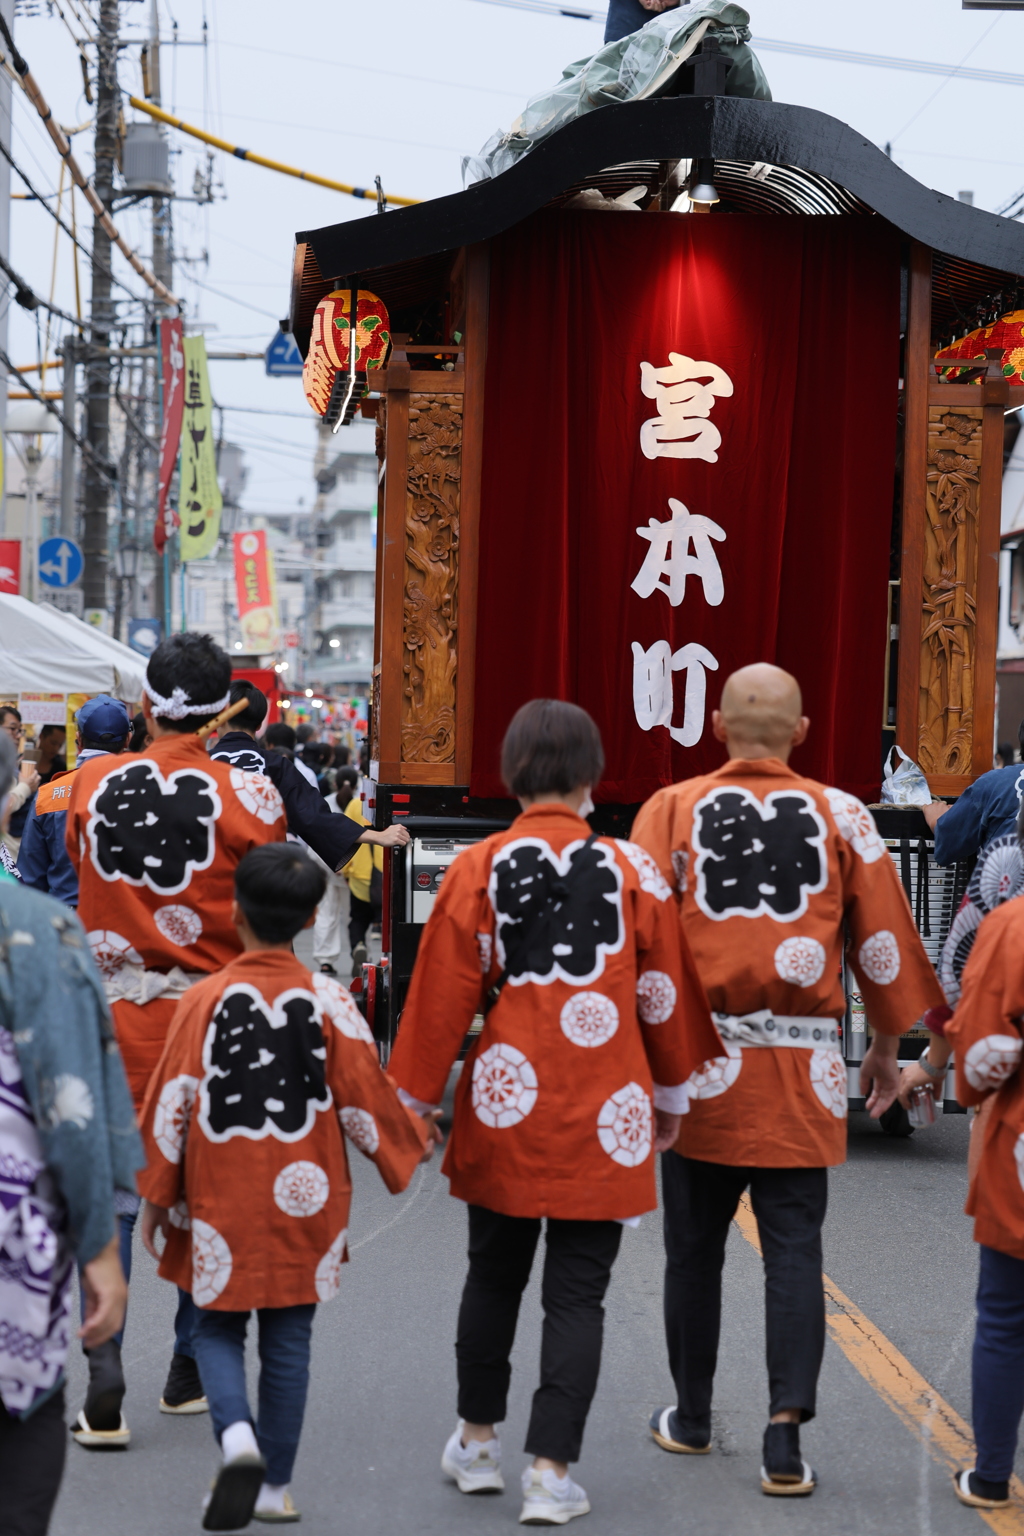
column 254, row 588
column 689, row 445
column 10, row 565
column 172, row 360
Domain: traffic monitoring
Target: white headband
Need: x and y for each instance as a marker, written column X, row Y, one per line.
column 178, row 705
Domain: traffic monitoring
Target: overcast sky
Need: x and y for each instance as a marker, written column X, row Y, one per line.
column 403, row 88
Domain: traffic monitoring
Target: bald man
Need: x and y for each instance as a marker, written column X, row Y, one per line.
column 771, row 873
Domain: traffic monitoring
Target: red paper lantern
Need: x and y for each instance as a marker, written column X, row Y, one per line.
column 1007, row 332
column 330, row 342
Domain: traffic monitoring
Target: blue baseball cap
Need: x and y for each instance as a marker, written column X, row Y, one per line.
column 104, row 720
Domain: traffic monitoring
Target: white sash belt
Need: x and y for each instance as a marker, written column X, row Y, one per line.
column 766, row 1028
column 134, row 984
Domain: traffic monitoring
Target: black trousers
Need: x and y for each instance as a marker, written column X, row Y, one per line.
column 578, row 1263
column 789, row 1203
column 360, row 916
column 31, row 1465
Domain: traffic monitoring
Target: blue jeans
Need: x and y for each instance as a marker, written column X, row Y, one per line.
column 218, row 1339
column 186, row 1308
column 997, row 1372
column 624, row 17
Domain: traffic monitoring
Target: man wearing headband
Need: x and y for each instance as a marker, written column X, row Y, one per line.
column 104, row 726
column 155, row 838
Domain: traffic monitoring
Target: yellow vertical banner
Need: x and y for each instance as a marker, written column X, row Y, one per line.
column 199, row 500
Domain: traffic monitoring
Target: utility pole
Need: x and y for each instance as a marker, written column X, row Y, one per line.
column 163, row 266
column 7, row 9
column 97, row 488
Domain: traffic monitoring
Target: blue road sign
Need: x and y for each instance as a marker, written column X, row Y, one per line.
column 60, row 562
column 282, row 358
column 144, row 635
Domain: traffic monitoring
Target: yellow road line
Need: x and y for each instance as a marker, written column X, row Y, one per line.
column 912, row 1399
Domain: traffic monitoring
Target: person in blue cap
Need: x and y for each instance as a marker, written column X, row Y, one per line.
column 104, row 726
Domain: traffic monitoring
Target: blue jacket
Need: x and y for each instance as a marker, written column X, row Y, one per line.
column 43, row 861
column 988, row 808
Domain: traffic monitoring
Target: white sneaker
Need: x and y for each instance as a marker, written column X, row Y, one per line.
column 476, row 1467
column 548, row 1500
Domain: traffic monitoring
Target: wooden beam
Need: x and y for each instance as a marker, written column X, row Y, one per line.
column 917, row 359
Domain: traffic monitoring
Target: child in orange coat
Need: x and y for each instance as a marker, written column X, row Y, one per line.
column 595, row 1019
column 266, row 1069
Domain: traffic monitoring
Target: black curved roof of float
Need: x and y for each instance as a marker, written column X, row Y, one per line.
column 769, row 158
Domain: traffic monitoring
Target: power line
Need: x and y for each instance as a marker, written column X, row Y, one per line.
column 104, row 469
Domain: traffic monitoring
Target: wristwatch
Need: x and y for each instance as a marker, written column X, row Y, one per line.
column 933, row 1072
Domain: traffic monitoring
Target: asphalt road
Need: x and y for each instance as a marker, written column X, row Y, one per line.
column 382, row 1395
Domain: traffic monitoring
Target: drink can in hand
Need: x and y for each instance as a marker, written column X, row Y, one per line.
column 921, row 1109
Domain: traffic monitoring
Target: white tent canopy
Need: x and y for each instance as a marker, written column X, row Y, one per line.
column 42, row 650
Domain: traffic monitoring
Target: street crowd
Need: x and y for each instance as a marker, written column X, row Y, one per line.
column 167, row 1062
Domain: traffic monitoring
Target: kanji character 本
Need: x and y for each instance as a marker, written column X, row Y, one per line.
column 681, row 429
column 653, row 698
column 684, row 529
column 583, row 922
column 263, row 1066
column 757, row 860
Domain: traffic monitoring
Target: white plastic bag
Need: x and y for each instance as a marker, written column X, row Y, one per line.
column 905, row 784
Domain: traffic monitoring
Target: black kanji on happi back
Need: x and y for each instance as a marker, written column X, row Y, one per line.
column 757, row 860
column 584, row 920
column 264, row 1067
column 153, row 831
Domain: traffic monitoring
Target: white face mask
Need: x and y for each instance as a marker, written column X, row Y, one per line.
column 587, row 808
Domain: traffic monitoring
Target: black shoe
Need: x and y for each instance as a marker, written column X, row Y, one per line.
column 101, row 1423
column 184, row 1390
column 672, row 1435
column 784, row 1470
column 327, row 969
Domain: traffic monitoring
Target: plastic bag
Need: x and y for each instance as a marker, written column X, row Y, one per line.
column 905, row 784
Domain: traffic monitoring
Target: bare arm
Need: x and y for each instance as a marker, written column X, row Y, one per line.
column 932, row 812
column 106, row 1296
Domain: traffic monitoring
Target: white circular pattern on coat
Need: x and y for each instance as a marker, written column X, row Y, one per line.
column 655, row 997
column 800, row 961
column 1018, row 1152
column 624, row 1126
column 990, row 1061
column 339, row 1007
column 72, row 1101
column 172, row 1115
column 680, row 861
column 111, row 952
column 328, row 1271
column 856, row 824
column 716, row 1076
column 651, row 878
column 10, row 1072
column 211, row 1263
column 504, row 1087
column 178, row 1216
column 828, row 1079
column 485, row 944
column 301, row 1189
column 879, row 957
column 179, row 924
column 589, row 1019
column 258, row 795
column 361, row 1129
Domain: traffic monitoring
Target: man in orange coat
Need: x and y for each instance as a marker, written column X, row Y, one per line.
column 155, row 839
column 770, row 869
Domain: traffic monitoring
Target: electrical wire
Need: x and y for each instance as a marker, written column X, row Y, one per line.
column 87, row 449
column 28, row 299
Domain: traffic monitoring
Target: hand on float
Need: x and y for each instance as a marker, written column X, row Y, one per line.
column 666, row 1130
column 106, row 1296
column 154, row 1220
column 880, row 1074
column 395, row 836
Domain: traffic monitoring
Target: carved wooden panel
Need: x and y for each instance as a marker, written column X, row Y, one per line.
column 430, row 605
column 948, row 677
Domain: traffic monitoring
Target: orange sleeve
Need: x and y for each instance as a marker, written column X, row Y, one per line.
column 897, row 980
column 675, row 1020
column 448, row 981
column 985, row 1030
column 370, row 1112
column 169, row 1103
column 652, row 829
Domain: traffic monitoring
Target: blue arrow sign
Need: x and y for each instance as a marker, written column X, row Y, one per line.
column 60, row 562
column 282, row 357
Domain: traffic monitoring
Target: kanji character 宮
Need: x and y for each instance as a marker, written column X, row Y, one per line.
column 681, row 430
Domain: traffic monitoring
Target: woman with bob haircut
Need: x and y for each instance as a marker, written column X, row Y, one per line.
column 594, row 1019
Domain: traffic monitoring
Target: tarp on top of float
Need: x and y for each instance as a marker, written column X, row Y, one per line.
column 634, row 68
column 42, row 649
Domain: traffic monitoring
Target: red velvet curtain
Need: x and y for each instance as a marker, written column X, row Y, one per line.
column 801, row 317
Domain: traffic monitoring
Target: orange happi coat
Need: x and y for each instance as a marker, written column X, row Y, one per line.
column 986, row 1033
column 769, row 869
column 264, row 1068
column 553, row 1109
column 155, row 838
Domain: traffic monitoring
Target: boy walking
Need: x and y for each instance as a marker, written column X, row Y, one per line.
column 595, row 1019
column 265, row 1067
